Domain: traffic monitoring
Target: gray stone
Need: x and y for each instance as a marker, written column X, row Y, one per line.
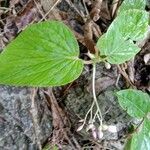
column 17, row 128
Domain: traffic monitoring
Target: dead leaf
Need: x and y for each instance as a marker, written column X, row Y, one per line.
column 29, row 14
column 96, row 10
column 49, row 6
column 60, row 119
column 88, row 36
column 131, row 70
column 15, row 24
column 13, row 3
column 114, row 7
column 10, row 28
column 105, row 12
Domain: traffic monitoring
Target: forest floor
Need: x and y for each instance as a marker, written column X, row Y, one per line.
column 66, row 106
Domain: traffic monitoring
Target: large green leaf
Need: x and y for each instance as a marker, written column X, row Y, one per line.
column 136, row 102
column 141, row 139
column 132, row 4
column 132, row 24
column 45, row 54
column 115, row 48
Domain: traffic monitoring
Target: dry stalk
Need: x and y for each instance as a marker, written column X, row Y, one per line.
column 34, row 113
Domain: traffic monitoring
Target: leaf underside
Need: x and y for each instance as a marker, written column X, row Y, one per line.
column 45, row 54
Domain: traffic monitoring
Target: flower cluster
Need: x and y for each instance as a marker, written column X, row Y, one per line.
column 98, row 132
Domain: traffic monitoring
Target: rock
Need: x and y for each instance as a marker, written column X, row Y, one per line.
column 17, row 129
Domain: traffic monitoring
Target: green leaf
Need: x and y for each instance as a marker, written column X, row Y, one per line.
column 131, row 24
column 117, row 43
column 128, row 144
column 115, row 48
column 136, row 102
column 132, row 4
column 45, row 54
column 49, row 147
column 141, row 139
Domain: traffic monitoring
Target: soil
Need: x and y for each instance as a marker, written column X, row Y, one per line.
column 42, row 118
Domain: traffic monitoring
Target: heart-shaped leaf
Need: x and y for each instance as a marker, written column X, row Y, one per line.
column 45, row 54
column 136, row 102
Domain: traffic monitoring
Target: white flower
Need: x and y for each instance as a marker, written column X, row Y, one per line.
column 90, row 126
column 112, row 129
column 94, row 133
column 80, row 127
column 100, row 134
column 104, row 127
column 107, row 65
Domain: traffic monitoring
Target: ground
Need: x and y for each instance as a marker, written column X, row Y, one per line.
column 32, row 118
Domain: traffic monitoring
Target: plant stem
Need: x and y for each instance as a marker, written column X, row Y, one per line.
column 87, row 62
column 90, row 110
column 94, row 94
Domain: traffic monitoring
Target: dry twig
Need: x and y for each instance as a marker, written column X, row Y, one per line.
column 34, row 112
column 60, row 121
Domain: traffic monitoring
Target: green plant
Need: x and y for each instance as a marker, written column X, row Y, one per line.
column 49, row 147
column 137, row 105
column 47, row 54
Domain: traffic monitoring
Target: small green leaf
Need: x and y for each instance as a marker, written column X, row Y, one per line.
column 115, row 48
column 132, row 4
column 117, row 43
column 131, row 24
column 45, row 54
column 141, row 139
column 135, row 102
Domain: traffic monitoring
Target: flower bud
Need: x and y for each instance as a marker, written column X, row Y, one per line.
column 107, row 65
column 94, row 133
column 89, row 127
column 100, row 134
column 104, row 127
column 80, row 127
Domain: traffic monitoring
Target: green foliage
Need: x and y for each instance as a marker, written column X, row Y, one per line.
column 49, row 147
column 140, row 140
column 132, row 4
column 130, row 25
column 115, row 48
column 137, row 105
column 45, row 54
column 135, row 102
